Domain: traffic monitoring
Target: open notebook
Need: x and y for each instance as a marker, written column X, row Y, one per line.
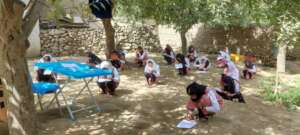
column 187, row 124
column 178, row 66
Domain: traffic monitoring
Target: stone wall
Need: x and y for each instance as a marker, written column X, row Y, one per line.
column 75, row 42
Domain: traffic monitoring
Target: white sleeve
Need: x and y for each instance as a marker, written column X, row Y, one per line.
column 157, row 74
column 116, row 75
column 144, row 55
column 215, row 106
column 187, row 62
column 172, row 55
column 253, row 70
column 146, row 69
column 195, row 54
column 98, row 66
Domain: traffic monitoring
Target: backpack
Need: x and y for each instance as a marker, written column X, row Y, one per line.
column 101, row 8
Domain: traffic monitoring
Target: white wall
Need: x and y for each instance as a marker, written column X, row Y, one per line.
column 35, row 43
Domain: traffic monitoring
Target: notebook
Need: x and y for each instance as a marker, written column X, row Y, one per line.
column 187, row 124
column 177, row 66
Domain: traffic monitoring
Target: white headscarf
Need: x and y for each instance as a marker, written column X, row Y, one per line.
column 198, row 62
column 223, row 55
column 47, row 55
column 204, row 57
column 155, row 69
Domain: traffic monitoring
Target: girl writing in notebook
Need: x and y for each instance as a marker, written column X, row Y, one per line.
column 203, row 102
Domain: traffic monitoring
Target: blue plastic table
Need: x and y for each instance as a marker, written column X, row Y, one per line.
column 75, row 70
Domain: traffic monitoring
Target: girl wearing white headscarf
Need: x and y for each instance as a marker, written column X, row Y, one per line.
column 230, row 80
column 44, row 75
column 202, row 64
column 141, row 56
column 152, row 72
column 108, row 83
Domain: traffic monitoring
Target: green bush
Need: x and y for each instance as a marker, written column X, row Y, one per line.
column 290, row 97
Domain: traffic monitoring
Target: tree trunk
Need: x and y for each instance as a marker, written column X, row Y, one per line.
column 183, row 42
column 14, row 70
column 110, row 36
column 281, row 59
column 281, row 64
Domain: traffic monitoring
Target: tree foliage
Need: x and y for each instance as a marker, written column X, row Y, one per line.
column 179, row 13
column 283, row 15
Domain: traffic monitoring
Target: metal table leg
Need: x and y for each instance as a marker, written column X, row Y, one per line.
column 92, row 97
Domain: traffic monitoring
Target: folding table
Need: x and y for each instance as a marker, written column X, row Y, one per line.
column 75, row 71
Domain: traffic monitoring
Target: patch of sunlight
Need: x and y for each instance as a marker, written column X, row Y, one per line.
column 156, row 125
column 126, row 115
column 13, row 101
column 270, row 131
column 249, row 91
column 95, row 127
column 204, row 131
column 75, row 129
column 96, row 132
column 16, row 124
column 266, row 73
column 194, row 131
column 179, row 109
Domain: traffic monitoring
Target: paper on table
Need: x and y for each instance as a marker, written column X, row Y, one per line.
column 70, row 65
column 73, row 67
column 187, row 124
column 47, row 72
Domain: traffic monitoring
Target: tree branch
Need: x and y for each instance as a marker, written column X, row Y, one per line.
column 31, row 17
column 29, row 7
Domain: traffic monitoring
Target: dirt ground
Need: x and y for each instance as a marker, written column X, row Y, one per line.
column 142, row 110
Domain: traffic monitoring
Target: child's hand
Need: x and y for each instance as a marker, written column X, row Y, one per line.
column 229, row 94
column 189, row 116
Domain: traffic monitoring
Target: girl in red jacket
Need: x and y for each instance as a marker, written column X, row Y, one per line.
column 204, row 101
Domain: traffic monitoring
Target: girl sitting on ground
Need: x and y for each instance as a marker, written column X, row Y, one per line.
column 250, row 67
column 44, row 75
column 203, row 102
column 152, row 72
column 116, row 61
column 229, row 80
column 202, row 64
column 229, row 90
column 192, row 54
column 181, row 64
column 169, row 55
column 108, row 83
column 141, row 57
